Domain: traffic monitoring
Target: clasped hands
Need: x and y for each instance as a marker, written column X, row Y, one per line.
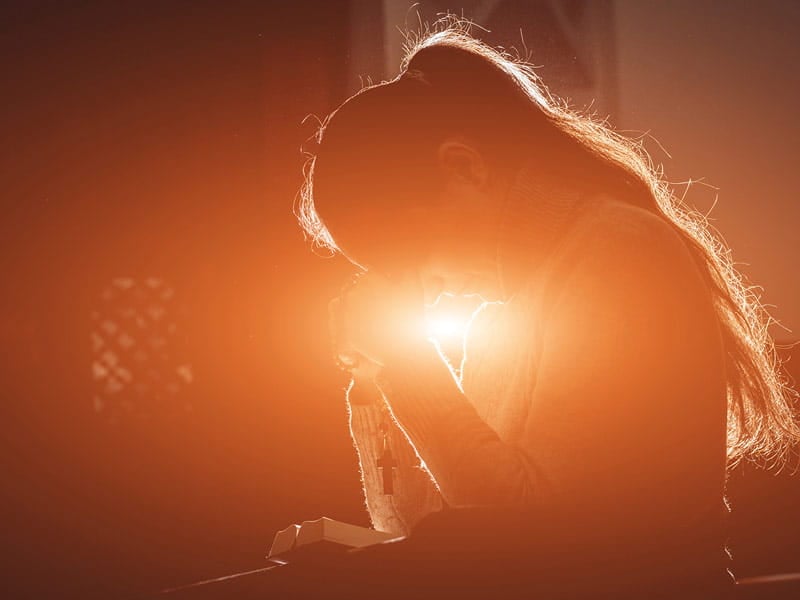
column 375, row 319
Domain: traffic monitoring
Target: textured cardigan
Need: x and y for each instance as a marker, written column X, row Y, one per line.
column 594, row 394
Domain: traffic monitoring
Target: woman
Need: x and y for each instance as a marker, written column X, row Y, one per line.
column 620, row 365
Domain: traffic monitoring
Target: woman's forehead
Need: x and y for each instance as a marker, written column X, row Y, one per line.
column 386, row 257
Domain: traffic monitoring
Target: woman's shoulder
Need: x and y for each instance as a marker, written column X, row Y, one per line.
column 615, row 219
column 617, row 252
column 612, row 229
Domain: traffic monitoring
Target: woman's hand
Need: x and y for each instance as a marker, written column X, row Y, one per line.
column 376, row 317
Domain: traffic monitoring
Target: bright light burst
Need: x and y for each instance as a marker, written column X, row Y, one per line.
column 446, row 327
column 447, row 321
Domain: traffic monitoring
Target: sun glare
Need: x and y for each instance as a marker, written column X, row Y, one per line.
column 446, row 327
column 448, row 319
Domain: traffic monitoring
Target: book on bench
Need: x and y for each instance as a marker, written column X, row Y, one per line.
column 321, row 537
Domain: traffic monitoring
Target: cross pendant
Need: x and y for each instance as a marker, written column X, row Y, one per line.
column 388, row 464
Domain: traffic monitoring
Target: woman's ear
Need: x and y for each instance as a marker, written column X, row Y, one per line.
column 462, row 163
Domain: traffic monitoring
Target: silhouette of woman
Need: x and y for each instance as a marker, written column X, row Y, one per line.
column 618, row 367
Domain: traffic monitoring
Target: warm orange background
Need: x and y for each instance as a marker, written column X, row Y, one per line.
column 162, row 140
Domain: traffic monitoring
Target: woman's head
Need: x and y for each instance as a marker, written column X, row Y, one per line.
column 409, row 175
column 382, row 179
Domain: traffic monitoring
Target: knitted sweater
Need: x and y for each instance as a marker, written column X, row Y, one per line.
column 594, row 395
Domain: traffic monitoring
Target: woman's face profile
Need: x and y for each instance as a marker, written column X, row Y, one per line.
column 457, row 227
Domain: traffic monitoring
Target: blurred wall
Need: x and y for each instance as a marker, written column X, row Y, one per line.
column 716, row 84
column 161, row 141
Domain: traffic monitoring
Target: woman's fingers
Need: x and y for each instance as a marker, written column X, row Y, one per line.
column 334, row 318
column 375, row 315
column 343, row 352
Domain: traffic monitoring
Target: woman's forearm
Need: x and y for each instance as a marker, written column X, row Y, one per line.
column 466, row 457
column 414, row 494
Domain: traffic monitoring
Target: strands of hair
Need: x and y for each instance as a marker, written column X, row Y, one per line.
column 762, row 424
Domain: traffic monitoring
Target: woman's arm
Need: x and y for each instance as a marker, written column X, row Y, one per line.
column 630, row 379
column 414, row 493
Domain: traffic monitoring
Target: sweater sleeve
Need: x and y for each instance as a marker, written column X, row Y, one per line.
column 414, row 492
column 629, row 352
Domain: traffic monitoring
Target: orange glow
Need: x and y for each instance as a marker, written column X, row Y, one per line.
column 446, row 327
column 447, row 321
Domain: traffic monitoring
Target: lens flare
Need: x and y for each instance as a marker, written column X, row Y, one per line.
column 446, row 327
column 447, row 321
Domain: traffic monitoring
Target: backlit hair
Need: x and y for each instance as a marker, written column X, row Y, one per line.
column 761, row 420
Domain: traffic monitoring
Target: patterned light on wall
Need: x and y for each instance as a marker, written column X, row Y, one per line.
column 136, row 368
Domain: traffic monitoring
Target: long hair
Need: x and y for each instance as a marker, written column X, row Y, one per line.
column 451, row 82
